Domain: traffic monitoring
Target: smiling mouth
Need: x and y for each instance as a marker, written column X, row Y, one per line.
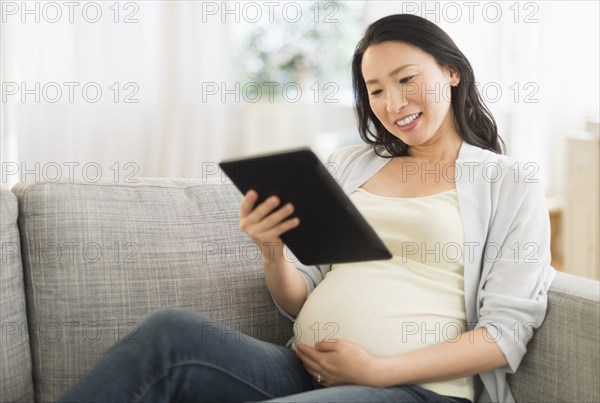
column 407, row 120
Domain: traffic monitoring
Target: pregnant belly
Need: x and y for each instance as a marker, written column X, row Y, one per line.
column 378, row 310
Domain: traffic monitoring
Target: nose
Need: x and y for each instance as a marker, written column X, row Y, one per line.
column 396, row 100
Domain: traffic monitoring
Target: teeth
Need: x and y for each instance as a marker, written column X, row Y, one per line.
column 407, row 119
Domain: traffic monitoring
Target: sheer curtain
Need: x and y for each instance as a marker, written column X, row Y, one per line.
column 121, row 95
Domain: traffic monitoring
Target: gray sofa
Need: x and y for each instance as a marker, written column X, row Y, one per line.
column 84, row 263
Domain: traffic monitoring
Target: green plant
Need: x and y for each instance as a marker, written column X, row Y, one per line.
column 316, row 49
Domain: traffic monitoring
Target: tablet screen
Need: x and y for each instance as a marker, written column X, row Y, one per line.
column 331, row 229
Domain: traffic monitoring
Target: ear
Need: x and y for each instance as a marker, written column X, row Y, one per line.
column 454, row 77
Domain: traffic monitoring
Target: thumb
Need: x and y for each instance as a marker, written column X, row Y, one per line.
column 326, row 345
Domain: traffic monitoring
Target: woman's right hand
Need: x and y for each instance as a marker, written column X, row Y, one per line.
column 265, row 226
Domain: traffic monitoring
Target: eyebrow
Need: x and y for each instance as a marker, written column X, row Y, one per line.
column 395, row 71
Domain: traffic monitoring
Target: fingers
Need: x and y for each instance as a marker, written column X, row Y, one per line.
column 308, row 359
column 260, row 222
column 248, row 203
column 314, row 370
column 265, row 232
column 249, row 211
column 327, row 345
column 311, row 367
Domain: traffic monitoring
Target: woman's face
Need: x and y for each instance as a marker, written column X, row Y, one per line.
column 409, row 92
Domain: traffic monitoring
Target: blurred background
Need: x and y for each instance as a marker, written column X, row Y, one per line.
column 118, row 90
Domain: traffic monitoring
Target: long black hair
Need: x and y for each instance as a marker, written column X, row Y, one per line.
column 472, row 119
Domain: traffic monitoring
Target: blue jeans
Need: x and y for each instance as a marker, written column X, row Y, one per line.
column 181, row 356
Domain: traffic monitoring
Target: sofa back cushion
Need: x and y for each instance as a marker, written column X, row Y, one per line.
column 99, row 257
column 15, row 357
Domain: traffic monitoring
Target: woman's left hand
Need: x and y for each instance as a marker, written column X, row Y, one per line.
column 339, row 362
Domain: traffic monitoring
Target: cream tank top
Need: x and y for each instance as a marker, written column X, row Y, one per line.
column 389, row 307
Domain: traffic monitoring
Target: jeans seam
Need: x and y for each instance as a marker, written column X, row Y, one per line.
column 203, row 363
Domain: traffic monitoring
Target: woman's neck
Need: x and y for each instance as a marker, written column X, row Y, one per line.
column 444, row 148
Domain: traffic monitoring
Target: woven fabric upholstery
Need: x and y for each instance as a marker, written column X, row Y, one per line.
column 15, row 358
column 99, row 257
column 562, row 363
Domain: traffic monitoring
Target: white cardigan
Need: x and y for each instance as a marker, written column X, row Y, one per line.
column 506, row 251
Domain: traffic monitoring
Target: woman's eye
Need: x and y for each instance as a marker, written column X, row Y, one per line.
column 406, row 80
column 376, row 92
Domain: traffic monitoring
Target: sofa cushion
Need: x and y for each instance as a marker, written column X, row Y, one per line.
column 15, row 358
column 562, row 363
column 99, row 257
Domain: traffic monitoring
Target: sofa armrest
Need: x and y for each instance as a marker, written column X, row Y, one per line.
column 563, row 358
column 16, row 383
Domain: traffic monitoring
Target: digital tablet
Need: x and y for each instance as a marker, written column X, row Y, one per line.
column 331, row 229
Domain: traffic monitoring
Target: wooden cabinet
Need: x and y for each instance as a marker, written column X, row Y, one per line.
column 555, row 210
column 581, row 221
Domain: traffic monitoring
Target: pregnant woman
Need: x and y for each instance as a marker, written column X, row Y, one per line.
column 444, row 320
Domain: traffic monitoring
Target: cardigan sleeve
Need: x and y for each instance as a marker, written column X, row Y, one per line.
column 516, row 271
